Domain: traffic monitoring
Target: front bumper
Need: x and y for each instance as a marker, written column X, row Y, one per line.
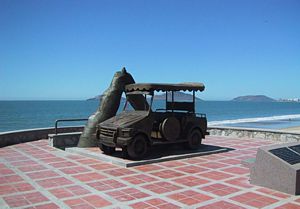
column 114, row 141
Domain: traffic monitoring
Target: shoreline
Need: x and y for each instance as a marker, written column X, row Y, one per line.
column 294, row 129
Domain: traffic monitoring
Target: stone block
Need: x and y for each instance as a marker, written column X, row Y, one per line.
column 277, row 167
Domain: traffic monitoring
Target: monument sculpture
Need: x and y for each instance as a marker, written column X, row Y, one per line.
column 109, row 104
column 137, row 129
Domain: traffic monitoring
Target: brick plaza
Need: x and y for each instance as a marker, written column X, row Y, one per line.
column 35, row 175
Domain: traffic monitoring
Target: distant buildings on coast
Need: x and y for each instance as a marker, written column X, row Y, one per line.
column 289, row 100
column 262, row 98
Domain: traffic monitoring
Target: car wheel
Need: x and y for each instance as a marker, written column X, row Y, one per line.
column 194, row 139
column 106, row 149
column 138, row 147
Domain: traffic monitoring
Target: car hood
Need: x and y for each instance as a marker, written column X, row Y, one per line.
column 125, row 119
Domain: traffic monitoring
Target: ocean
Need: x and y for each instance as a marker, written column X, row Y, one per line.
column 17, row 115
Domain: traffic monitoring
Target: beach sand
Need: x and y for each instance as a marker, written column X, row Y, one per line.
column 295, row 129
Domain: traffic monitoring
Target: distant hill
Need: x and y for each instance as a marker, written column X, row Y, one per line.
column 253, row 98
column 178, row 96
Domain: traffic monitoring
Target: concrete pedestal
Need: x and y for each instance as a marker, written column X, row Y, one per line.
column 64, row 140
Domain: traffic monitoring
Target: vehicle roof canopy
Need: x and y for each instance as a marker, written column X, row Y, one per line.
column 165, row 87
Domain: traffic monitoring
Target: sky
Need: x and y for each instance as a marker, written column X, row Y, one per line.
column 59, row 49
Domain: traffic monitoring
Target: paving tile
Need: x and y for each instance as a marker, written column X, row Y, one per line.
column 42, row 174
column 166, row 174
column 45, row 206
column 106, row 185
column 215, row 175
column 190, row 181
column 288, row 206
column 161, row 187
column 30, row 168
column 102, row 166
column 61, row 193
column 297, row 200
column 154, row 203
column 254, row 199
column 127, row 194
column 148, row 168
column 88, row 161
column 25, row 199
column 6, row 171
column 241, row 182
column 91, row 201
column 273, row 193
column 213, row 165
column 78, row 203
column 231, row 161
column 96, row 201
column 53, row 159
column 62, row 164
column 7, row 189
column 69, row 191
column 172, row 164
column 24, row 163
column 195, row 160
column 191, row 169
column 54, row 182
column 219, row 189
column 118, row 172
column 10, row 179
column 18, row 187
column 221, row 205
column 139, row 179
column 236, row 170
column 75, row 170
column 87, row 177
column 190, row 197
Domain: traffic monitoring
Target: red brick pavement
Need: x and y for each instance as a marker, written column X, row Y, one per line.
column 35, row 175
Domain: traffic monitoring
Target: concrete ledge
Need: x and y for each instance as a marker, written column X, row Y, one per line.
column 22, row 136
column 273, row 135
column 157, row 154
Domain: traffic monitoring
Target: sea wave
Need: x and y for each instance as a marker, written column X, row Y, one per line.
column 253, row 120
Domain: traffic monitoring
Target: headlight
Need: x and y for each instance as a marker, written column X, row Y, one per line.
column 98, row 133
column 126, row 132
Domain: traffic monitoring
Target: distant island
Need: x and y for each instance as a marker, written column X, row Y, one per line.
column 178, row 96
column 253, row 98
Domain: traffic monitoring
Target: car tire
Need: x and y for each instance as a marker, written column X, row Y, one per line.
column 106, row 149
column 194, row 139
column 138, row 147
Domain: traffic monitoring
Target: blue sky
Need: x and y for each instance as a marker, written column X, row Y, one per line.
column 70, row 49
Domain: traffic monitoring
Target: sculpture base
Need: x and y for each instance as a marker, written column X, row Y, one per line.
column 156, row 154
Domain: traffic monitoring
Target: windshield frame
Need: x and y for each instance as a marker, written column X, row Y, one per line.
column 144, row 94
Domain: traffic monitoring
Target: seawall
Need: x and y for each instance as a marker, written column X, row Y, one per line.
column 27, row 135
column 274, row 135
column 22, row 136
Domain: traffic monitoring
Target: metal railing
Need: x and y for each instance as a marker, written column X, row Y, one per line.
column 67, row 120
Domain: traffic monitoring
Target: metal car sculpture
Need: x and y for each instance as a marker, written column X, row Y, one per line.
column 136, row 130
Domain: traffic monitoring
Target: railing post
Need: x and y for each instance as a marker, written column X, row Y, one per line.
column 67, row 120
